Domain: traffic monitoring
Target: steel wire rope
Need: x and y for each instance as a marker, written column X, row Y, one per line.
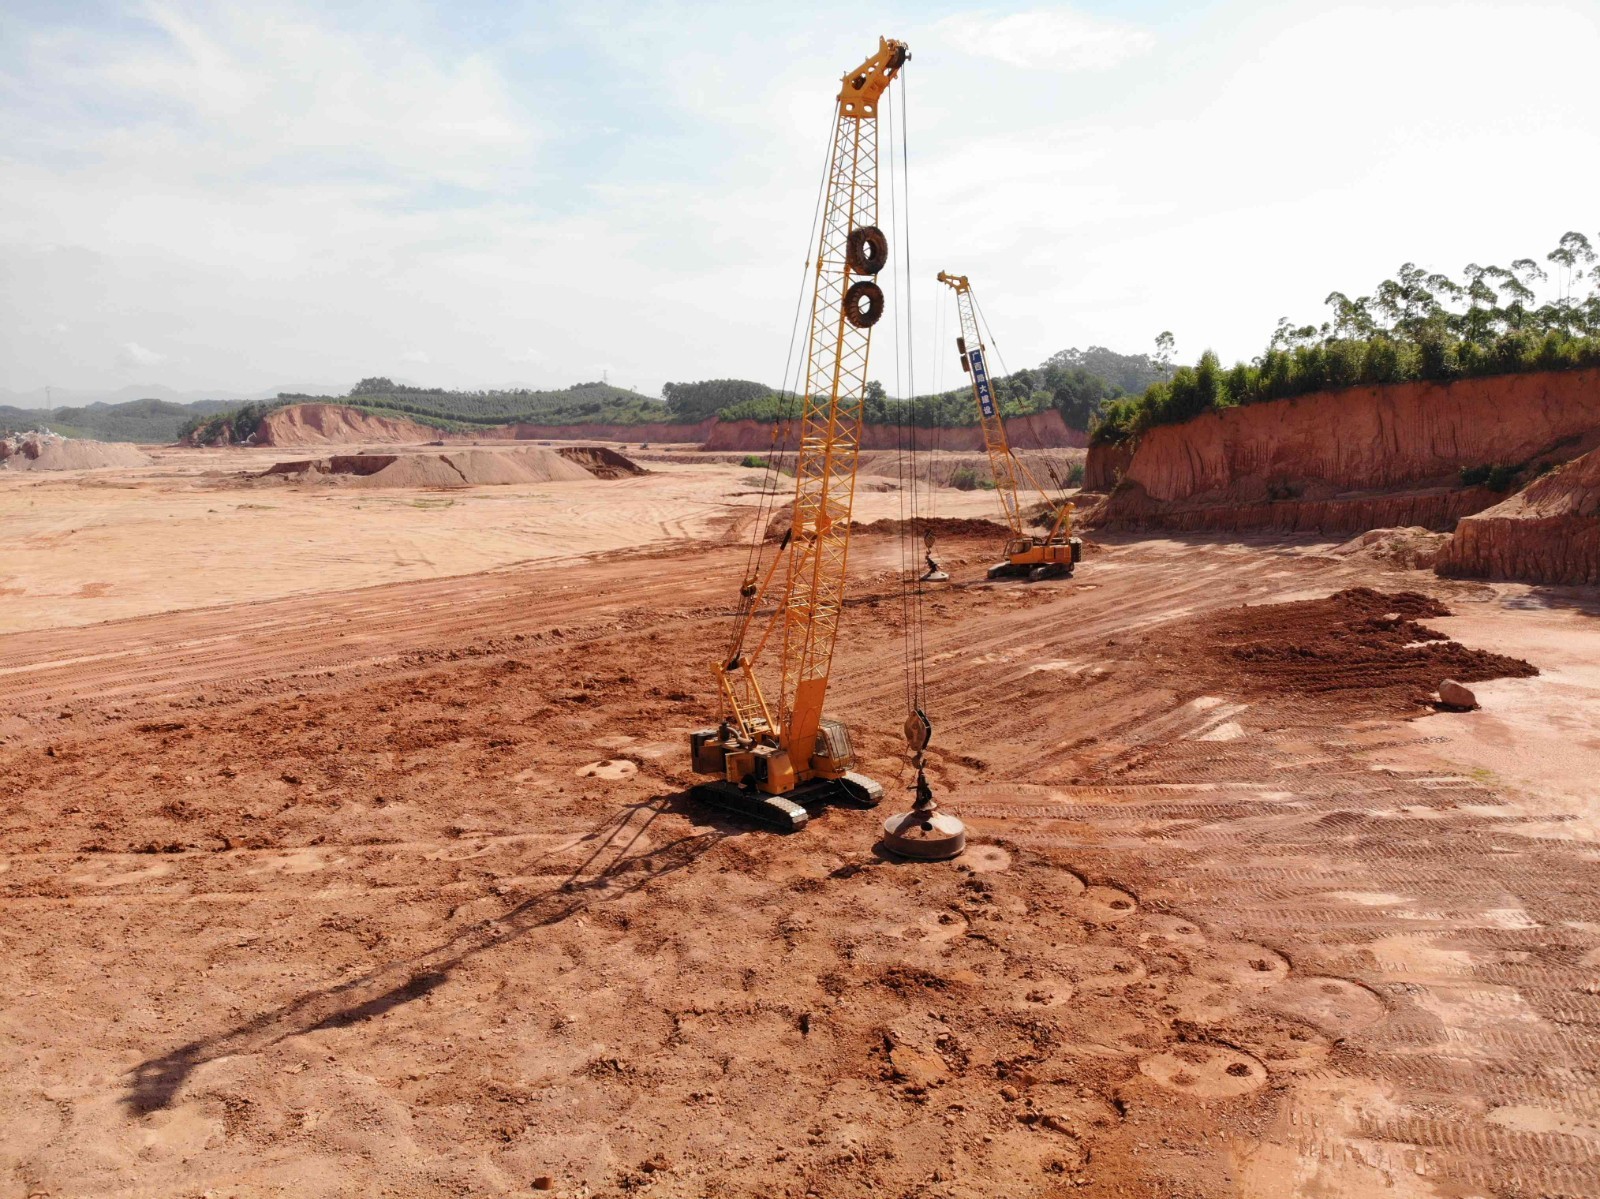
column 788, row 398
column 900, row 409
column 916, row 630
column 905, row 479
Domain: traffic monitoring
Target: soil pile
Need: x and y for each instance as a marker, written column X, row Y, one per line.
column 1413, row 548
column 50, row 451
column 940, row 526
column 460, row 468
column 601, row 462
column 1333, row 461
column 1363, row 648
column 1547, row 533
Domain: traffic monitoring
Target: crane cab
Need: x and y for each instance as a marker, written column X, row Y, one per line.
column 759, row 780
column 1051, row 556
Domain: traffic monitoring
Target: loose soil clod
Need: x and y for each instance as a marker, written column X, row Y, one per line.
column 1360, row 648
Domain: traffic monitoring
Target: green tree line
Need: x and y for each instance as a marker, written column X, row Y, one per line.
column 1074, row 382
column 1418, row 325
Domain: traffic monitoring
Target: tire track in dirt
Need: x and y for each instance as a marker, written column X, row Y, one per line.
column 1262, row 943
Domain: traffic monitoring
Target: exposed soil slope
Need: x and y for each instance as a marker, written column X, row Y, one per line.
column 1547, row 533
column 601, row 461
column 1042, row 430
column 658, row 432
column 1268, row 465
column 46, row 451
column 336, row 424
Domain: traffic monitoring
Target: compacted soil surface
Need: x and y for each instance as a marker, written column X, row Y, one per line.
column 397, row 891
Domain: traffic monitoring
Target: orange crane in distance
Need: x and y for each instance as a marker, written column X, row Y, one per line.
column 774, row 755
column 1056, row 553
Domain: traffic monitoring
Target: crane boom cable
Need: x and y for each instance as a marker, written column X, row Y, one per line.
column 917, row 629
column 904, row 484
column 988, row 332
column 786, row 399
column 783, row 422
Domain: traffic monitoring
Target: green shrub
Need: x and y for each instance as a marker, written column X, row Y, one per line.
column 965, row 478
column 754, row 462
column 1500, row 478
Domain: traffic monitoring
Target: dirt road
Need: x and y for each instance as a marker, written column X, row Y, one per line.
column 394, row 891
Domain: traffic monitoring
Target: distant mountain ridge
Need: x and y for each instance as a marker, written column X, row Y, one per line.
column 150, row 421
column 72, row 397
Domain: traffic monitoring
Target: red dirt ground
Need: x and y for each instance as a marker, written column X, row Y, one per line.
column 396, row 892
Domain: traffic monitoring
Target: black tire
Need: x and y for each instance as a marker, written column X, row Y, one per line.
column 863, row 304
column 867, row 251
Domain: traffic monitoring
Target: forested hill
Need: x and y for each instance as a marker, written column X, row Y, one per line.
column 1420, row 325
column 149, row 421
column 1075, row 382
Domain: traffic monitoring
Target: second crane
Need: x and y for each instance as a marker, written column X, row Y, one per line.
column 1054, row 554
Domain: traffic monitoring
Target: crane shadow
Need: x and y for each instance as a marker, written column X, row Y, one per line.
column 614, row 867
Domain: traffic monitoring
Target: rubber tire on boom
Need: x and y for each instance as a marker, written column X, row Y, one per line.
column 863, row 318
column 867, row 251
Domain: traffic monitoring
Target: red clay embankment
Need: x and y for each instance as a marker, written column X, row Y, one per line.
column 1547, row 533
column 655, row 432
column 1346, row 461
column 1042, row 430
column 337, row 424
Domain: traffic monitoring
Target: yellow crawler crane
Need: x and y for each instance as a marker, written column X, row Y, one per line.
column 775, row 756
column 1058, row 551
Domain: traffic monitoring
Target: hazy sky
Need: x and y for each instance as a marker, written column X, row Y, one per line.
column 474, row 194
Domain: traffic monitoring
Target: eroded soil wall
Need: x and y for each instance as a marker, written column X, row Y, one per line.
column 1309, row 453
column 1547, row 533
column 1042, row 430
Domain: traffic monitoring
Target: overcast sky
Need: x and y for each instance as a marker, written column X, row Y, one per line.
column 237, row 197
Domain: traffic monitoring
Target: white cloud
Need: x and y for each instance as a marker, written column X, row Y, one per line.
column 1047, row 39
column 274, row 92
column 277, row 193
column 418, row 356
column 134, row 354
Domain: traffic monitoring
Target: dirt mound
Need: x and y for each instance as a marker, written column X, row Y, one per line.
column 458, row 468
column 1333, row 461
column 1547, row 533
column 49, row 451
column 602, row 462
column 336, row 424
column 1362, row 647
column 1413, row 548
column 941, row 526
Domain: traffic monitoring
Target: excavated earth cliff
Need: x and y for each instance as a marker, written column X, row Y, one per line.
column 1042, row 430
column 337, row 424
column 1547, row 533
column 1347, row 461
